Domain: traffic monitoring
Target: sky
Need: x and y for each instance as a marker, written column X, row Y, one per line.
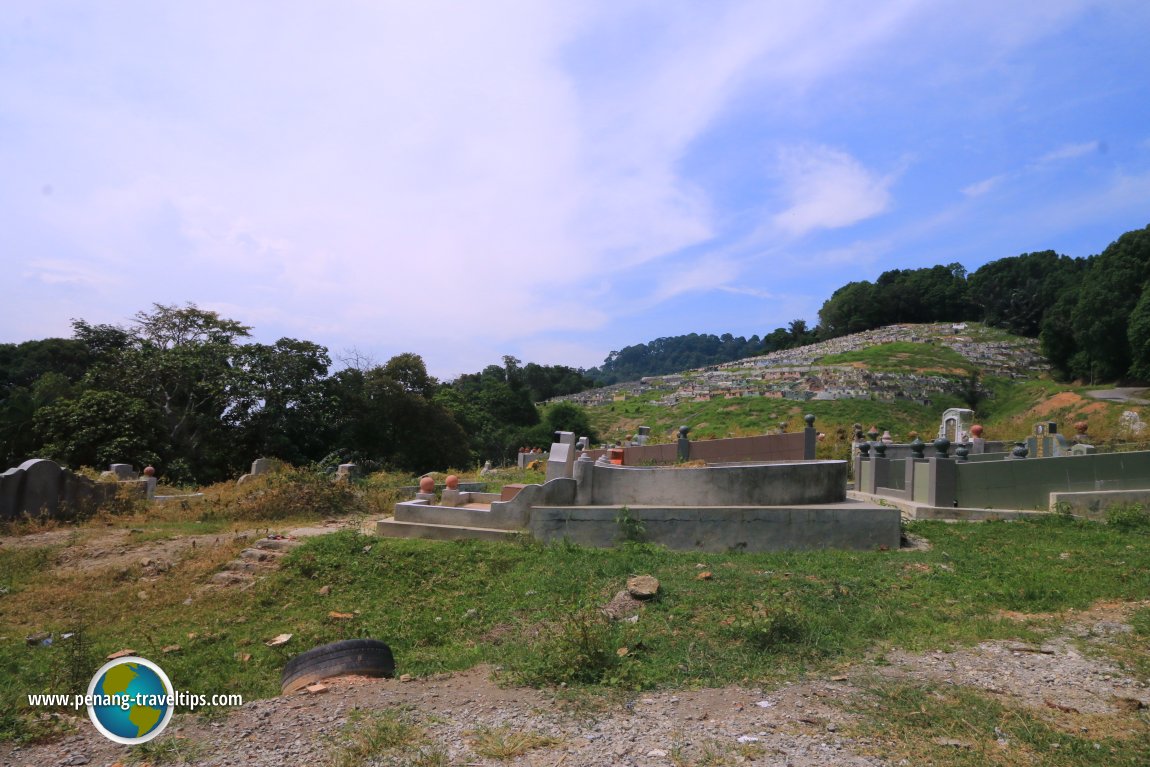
column 546, row 180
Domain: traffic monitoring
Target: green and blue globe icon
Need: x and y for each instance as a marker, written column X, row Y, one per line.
column 138, row 700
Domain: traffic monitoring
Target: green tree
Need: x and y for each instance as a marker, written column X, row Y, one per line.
column 1016, row 293
column 1138, row 335
column 1110, row 290
column 280, row 406
column 99, row 428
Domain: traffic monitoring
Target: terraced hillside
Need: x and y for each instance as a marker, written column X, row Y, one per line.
column 900, row 378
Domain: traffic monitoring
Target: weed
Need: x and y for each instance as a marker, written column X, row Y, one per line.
column 631, row 528
column 586, row 648
column 1129, row 518
column 959, row 726
column 170, row 750
column 366, row 737
column 503, row 743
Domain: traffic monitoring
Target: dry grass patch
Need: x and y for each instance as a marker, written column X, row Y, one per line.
column 503, row 743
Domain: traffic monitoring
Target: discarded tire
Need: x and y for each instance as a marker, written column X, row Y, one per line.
column 361, row 657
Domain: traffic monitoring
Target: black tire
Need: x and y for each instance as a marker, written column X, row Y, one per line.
column 361, row 657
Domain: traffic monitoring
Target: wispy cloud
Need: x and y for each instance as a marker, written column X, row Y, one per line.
column 982, row 187
column 1067, row 152
column 827, row 189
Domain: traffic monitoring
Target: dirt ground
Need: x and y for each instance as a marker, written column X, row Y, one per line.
column 1068, row 680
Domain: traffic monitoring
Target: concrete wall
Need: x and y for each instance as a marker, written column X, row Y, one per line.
column 1094, row 504
column 776, row 484
column 849, row 525
column 1028, row 483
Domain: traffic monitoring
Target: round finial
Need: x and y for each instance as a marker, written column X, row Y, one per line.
column 976, row 431
column 683, row 431
column 452, row 482
column 1081, row 426
column 810, row 419
column 942, row 445
column 962, row 452
column 873, row 433
column 1020, row 450
column 880, row 449
column 917, row 448
column 864, row 449
column 149, row 471
column 426, row 485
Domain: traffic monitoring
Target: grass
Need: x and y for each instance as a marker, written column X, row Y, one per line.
column 533, row 610
column 930, row 724
column 504, row 743
column 369, row 736
column 905, row 357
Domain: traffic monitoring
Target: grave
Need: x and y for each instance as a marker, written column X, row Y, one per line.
column 1044, row 473
column 747, row 506
column 39, row 487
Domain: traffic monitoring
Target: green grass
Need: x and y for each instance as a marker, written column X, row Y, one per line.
column 928, row 724
column 762, row 617
column 905, row 356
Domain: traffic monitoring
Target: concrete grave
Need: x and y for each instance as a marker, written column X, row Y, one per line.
column 40, row 487
column 732, row 506
column 561, row 462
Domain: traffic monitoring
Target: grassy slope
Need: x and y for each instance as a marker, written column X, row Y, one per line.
column 759, row 619
column 1009, row 413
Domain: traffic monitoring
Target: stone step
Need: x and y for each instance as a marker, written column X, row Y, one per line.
column 261, row 555
column 232, row 578
column 391, row 528
column 453, row 516
column 277, row 544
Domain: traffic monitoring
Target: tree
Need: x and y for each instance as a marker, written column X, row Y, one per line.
column 99, row 428
column 279, row 401
column 1110, row 290
column 1138, row 335
column 1016, row 293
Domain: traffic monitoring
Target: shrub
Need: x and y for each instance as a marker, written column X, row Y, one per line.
column 1129, row 518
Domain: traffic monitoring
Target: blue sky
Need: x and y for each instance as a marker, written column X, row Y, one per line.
column 550, row 180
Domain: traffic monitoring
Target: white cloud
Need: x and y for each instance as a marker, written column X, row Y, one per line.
column 982, row 187
column 1067, row 152
column 827, row 189
column 453, row 179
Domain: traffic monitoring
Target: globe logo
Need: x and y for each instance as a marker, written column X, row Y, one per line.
column 130, row 700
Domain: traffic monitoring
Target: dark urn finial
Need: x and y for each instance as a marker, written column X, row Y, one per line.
column 917, row 448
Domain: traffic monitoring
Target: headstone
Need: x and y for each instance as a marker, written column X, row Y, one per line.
column 347, row 472
column 561, row 461
column 124, row 471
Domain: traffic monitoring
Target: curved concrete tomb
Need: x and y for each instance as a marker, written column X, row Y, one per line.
column 747, row 507
column 747, row 484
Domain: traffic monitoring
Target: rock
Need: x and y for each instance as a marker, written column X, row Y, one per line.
column 643, row 586
column 324, row 591
column 278, row 640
